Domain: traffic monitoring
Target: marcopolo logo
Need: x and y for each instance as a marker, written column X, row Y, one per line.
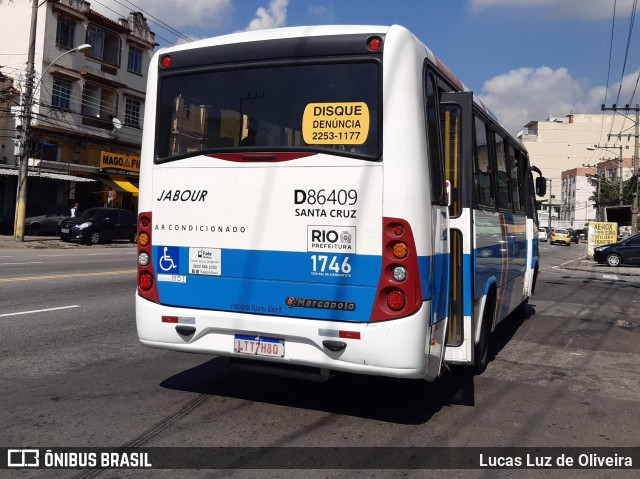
column 337, row 239
column 292, row 302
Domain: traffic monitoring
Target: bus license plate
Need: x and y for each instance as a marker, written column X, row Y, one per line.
column 259, row 346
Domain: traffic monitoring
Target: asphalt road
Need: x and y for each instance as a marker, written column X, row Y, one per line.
column 72, row 373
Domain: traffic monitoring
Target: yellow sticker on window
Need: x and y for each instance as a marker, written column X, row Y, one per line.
column 335, row 123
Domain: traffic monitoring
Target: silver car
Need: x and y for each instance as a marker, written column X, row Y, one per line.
column 46, row 223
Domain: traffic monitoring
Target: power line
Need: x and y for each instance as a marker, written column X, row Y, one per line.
column 626, row 54
column 166, row 26
column 121, row 15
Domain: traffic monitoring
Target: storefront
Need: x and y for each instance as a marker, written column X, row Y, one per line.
column 119, row 173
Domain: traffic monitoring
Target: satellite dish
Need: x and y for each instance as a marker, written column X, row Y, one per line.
column 117, row 124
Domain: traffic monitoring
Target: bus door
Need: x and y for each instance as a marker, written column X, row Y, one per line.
column 456, row 123
column 440, row 266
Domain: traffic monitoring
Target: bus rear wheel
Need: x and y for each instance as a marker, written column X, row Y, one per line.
column 481, row 359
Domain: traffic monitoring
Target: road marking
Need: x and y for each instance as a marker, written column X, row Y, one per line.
column 39, row 310
column 30, row 262
column 610, row 276
column 59, row 276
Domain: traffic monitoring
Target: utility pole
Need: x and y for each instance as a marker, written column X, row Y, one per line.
column 24, row 137
column 636, row 159
column 550, row 204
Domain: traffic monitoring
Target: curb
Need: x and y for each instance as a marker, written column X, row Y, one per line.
column 49, row 242
column 590, row 266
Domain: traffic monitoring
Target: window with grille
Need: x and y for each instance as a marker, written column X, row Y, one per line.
column 61, row 96
column 132, row 112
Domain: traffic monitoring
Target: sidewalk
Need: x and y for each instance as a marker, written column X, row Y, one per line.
column 589, row 265
column 51, row 242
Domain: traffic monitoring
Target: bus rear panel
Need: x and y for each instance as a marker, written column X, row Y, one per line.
column 263, row 230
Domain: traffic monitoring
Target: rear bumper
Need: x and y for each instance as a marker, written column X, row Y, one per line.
column 396, row 348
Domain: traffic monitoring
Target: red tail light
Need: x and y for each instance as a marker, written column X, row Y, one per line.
column 398, row 295
column 147, row 287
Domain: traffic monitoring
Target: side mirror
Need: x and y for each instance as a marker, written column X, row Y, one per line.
column 541, row 186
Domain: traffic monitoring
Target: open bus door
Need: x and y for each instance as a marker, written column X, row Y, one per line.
column 456, row 112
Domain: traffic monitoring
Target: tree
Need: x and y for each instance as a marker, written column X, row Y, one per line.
column 610, row 190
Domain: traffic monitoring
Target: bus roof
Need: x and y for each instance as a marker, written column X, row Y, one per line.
column 325, row 30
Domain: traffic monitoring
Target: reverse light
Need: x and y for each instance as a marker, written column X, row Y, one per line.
column 399, row 273
column 143, row 259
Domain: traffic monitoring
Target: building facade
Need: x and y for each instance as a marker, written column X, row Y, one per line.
column 563, row 148
column 87, row 109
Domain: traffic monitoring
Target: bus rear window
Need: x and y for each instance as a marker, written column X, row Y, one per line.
column 315, row 107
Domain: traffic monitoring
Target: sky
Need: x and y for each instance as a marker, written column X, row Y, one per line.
column 526, row 59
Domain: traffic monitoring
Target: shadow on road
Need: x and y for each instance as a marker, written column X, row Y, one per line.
column 401, row 401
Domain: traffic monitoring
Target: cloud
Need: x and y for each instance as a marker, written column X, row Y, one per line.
column 582, row 9
column 206, row 14
column 273, row 17
column 529, row 94
column 322, row 14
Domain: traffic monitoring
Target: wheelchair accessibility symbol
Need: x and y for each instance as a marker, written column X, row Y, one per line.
column 169, row 260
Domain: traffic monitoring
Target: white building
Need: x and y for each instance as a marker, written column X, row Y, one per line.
column 559, row 145
column 86, row 105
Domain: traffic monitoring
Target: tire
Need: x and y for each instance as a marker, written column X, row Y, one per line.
column 613, row 260
column 34, row 229
column 569, row 244
column 481, row 350
column 94, row 237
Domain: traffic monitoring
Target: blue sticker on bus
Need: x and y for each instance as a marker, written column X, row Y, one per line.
column 169, row 261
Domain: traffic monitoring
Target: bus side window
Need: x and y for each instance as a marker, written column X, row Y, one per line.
column 482, row 183
column 502, row 175
column 450, row 126
column 433, row 139
column 516, row 183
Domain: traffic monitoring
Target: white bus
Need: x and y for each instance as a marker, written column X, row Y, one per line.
column 331, row 198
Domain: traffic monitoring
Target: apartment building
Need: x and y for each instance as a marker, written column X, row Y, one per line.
column 88, row 105
column 561, row 147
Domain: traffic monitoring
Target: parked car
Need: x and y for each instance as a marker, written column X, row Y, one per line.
column 542, row 234
column 96, row 225
column 560, row 236
column 575, row 237
column 583, row 233
column 626, row 251
column 46, row 223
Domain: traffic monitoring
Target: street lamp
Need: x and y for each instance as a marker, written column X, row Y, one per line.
column 24, row 138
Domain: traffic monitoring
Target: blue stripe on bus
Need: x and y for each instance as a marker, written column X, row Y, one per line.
column 260, row 282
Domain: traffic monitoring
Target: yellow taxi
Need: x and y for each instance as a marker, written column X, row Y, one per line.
column 560, row 236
